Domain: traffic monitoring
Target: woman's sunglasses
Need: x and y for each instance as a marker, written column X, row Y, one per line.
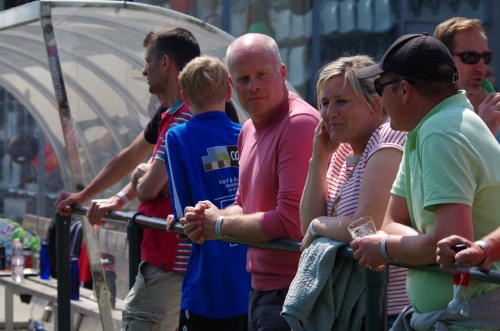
column 471, row 57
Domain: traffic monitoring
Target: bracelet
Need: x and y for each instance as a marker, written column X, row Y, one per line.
column 383, row 251
column 484, row 246
column 311, row 229
column 218, row 225
column 122, row 196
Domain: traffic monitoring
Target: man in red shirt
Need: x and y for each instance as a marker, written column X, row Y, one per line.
column 274, row 149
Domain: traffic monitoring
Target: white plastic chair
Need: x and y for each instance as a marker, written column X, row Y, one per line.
column 383, row 18
column 329, row 17
column 300, row 25
column 11, row 173
column 282, row 25
column 365, row 15
column 347, row 16
column 296, row 73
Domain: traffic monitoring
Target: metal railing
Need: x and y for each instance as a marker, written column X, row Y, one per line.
column 376, row 282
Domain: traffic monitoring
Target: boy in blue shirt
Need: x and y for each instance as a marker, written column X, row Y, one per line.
column 202, row 164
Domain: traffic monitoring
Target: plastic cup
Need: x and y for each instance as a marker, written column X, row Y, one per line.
column 361, row 227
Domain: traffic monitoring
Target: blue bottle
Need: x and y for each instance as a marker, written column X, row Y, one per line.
column 75, row 278
column 38, row 326
column 44, row 261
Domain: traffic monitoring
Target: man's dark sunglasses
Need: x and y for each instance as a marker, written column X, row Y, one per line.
column 380, row 87
column 471, row 57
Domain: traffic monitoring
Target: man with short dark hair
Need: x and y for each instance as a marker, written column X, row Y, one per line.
column 153, row 302
column 448, row 182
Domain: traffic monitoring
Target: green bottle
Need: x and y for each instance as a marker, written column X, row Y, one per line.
column 488, row 88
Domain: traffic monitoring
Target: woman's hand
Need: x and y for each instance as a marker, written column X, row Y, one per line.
column 323, row 146
column 308, row 239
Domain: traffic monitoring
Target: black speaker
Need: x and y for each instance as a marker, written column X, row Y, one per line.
column 22, row 148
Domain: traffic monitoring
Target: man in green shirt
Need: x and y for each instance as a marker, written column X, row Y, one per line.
column 448, row 182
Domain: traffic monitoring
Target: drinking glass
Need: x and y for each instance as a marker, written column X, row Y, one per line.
column 361, row 227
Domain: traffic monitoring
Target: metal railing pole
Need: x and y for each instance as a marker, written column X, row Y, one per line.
column 376, row 282
column 134, row 236
column 376, row 300
column 63, row 272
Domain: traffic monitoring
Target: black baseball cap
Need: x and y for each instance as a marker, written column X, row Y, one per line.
column 415, row 55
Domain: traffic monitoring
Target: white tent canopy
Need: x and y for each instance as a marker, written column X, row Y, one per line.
column 100, row 48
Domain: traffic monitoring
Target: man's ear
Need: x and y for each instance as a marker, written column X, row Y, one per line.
column 406, row 90
column 166, row 62
column 283, row 70
column 229, row 93
column 231, row 84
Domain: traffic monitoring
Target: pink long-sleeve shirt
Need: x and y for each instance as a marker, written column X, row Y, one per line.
column 274, row 161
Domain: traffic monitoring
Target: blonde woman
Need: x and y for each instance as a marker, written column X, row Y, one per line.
column 356, row 156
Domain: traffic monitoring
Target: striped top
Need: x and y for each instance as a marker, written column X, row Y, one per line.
column 184, row 246
column 344, row 181
column 180, row 118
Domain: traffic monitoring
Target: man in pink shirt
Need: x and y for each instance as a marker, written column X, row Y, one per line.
column 274, row 149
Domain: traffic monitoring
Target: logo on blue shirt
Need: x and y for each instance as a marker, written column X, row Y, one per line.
column 220, row 157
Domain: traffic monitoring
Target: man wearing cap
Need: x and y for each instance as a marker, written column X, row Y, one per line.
column 448, row 182
column 467, row 42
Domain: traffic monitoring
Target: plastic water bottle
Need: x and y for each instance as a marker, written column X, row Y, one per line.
column 17, row 261
column 75, row 278
column 461, row 275
column 44, row 260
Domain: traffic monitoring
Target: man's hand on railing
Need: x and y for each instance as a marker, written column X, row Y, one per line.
column 173, row 226
column 367, row 251
column 170, row 220
column 199, row 221
column 66, row 199
column 100, row 207
column 474, row 254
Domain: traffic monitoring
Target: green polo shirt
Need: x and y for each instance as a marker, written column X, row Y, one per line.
column 450, row 157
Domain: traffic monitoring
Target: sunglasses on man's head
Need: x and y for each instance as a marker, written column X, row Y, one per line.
column 472, row 57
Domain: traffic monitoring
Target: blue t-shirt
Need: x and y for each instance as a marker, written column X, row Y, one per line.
column 202, row 164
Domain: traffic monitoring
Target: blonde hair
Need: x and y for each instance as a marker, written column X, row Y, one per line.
column 205, row 80
column 346, row 67
column 447, row 30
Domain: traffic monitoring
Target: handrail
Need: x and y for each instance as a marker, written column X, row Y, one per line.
column 376, row 282
column 160, row 223
column 484, row 275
